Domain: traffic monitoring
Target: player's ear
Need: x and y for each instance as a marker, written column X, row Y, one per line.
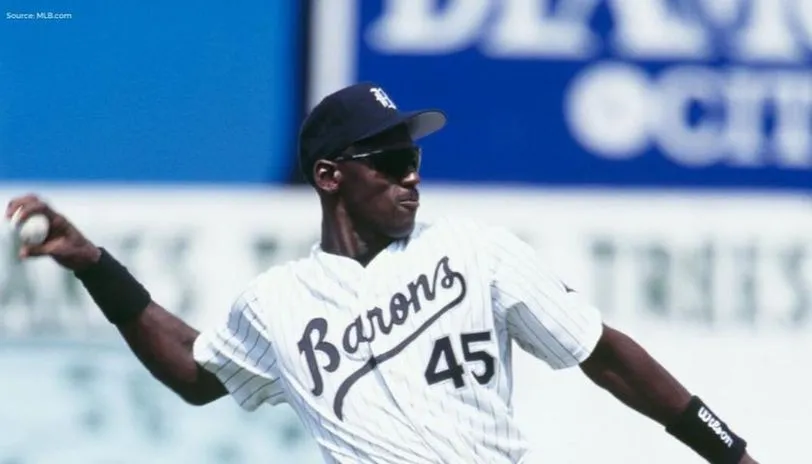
column 327, row 176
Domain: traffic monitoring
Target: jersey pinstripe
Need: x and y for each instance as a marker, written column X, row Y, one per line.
column 406, row 360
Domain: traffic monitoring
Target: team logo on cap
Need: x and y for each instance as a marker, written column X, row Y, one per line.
column 383, row 98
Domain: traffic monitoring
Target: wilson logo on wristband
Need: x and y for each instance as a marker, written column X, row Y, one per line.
column 715, row 425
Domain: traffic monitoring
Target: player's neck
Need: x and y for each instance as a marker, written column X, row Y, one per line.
column 345, row 239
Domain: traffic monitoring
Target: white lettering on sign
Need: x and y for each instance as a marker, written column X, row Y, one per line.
column 753, row 30
column 419, row 26
column 617, row 112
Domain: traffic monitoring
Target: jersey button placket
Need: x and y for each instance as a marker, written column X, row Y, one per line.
column 380, row 297
column 359, row 311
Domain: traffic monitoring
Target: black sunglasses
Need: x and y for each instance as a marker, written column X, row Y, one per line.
column 395, row 162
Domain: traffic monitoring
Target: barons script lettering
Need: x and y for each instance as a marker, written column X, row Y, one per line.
column 381, row 323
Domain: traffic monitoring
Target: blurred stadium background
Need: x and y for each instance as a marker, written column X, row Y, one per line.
column 659, row 152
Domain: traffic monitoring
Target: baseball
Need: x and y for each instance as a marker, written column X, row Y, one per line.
column 32, row 231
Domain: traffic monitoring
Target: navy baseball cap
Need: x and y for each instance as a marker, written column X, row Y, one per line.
column 356, row 113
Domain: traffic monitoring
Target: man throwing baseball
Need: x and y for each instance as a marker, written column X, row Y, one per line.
column 392, row 340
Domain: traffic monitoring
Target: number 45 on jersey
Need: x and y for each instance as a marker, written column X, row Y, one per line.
column 472, row 355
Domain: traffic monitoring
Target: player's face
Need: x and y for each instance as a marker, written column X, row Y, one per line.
column 379, row 183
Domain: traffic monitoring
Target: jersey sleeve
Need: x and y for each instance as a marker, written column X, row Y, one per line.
column 544, row 316
column 239, row 352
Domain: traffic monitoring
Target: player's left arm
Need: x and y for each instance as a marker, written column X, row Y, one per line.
column 554, row 323
column 622, row 367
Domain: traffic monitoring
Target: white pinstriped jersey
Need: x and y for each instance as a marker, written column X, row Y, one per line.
column 406, row 360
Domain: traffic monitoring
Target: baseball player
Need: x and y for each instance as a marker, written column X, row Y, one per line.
column 392, row 340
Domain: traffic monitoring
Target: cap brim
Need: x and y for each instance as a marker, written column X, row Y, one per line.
column 425, row 122
column 420, row 123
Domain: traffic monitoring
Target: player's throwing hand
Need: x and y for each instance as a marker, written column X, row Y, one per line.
column 64, row 243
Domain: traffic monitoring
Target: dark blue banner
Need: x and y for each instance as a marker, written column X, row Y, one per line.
column 127, row 91
column 589, row 92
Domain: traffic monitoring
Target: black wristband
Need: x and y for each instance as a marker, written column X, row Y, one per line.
column 700, row 429
column 116, row 292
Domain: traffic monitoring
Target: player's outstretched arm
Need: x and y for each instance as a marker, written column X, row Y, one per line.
column 623, row 368
column 160, row 340
column 553, row 322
